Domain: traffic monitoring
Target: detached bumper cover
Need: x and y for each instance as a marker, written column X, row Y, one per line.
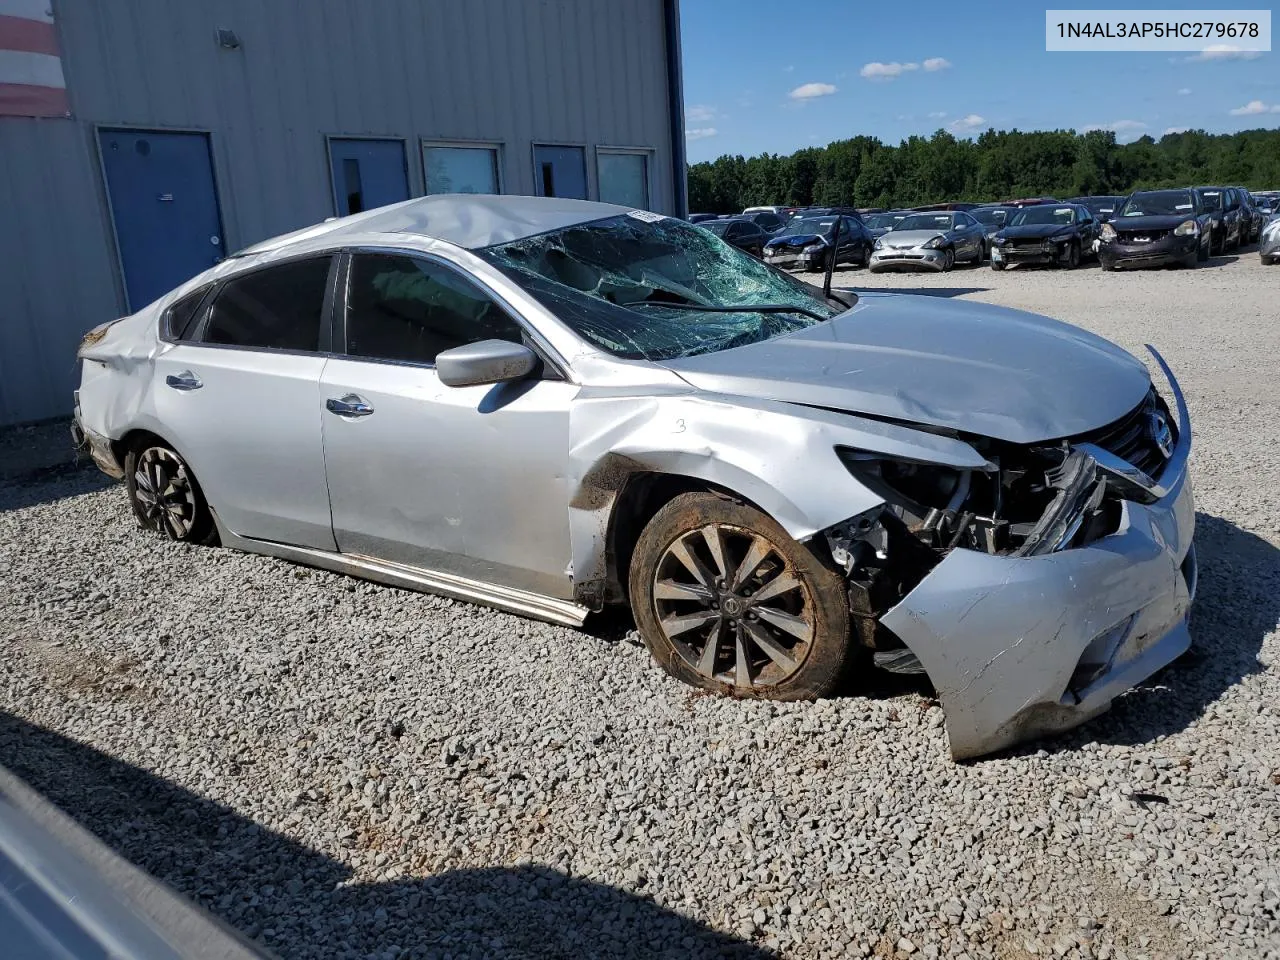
column 1021, row 647
column 1054, row 253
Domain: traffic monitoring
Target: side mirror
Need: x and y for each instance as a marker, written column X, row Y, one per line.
column 489, row 361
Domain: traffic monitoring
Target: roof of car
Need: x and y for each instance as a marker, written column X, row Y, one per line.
column 470, row 220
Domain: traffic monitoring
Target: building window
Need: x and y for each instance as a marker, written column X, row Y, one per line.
column 560, row 171
column 624, row 178
column 460, row 169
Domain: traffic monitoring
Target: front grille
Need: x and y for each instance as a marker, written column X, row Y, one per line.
column 1028, row 244
column 1130, row 438
column 1142, row 236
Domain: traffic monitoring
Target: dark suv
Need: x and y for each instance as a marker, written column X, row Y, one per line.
column 1223, row 207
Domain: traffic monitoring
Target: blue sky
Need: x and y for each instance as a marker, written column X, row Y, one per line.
column 758, row 79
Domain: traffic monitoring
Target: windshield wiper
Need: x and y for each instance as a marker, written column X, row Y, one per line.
column 763, row 308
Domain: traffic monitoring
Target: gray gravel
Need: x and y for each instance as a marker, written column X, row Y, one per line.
column 340, row 769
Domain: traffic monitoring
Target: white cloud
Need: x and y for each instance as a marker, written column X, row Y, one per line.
column 700, row 113
column 1169, row 130
column 700, row 133
column 1184, row 91
column 886, row 71
column 971, row 121
column 1255, row 107
column 807, row 91
column 934, row 64
column 937, row 114
column 1223, row 51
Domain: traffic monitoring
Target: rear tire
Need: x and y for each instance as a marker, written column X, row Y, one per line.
column 727, row 601
column 165, row 496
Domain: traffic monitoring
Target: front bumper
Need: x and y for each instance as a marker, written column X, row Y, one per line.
column 1158, row 253
column 1022, row 647
column 792, row 258
column 912, row 257
column 1056, row 253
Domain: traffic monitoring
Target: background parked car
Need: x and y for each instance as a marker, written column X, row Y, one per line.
column 993, row 218
column 934, row 241
column 1269, row 242
column 1225, row 216
column 1251, row 218
column 700, row 217
column 1156, row 228
column 769, row 221
column 1060, row 234
column 805, row 244
column 739, row 232
column 878, row 224
column 949, row 205
column 1103, row 208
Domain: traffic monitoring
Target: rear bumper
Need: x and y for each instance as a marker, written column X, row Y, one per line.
column 1021, row 647
column 96, row 446
column 1159, row 253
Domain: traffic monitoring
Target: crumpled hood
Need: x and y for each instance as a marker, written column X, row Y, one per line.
column 908, row 239
column 1035, row 231
column 796, row 240
column 970, row 367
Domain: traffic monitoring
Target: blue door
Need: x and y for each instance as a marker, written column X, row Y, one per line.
column 560, row 171
column 367, row 174
column 164, row 207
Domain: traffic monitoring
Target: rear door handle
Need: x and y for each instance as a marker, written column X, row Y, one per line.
column 186, row 380
column 349, row 407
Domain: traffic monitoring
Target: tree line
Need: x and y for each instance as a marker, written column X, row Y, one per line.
column 864, row 172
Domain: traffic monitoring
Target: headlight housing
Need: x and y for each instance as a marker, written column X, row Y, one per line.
column 1188, row 228
column 1272, row 229
column 1108, row 232
column 934, row 244
column 813, row 248
column 879, row 244
column 1000, row 240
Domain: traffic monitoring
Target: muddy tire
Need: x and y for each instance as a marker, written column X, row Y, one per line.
column 165, row 496
column 725, row 600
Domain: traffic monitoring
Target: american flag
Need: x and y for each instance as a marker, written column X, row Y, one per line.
column 31, row 83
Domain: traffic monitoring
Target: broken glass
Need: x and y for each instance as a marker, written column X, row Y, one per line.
column 644, row 287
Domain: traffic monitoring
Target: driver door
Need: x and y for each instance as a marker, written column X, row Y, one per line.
column 469, row 481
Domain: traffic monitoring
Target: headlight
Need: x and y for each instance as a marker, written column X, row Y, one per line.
column 1272, row 229
column 1108, row 232
column 879, row 244
column 1000, row 241
column 813, row 248
column 1188, row 228
column 913, row 490
column 933, row 244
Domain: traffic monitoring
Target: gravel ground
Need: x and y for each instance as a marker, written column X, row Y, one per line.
column 340, row 769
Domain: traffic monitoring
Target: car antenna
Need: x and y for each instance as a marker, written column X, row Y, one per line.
column 834, row 237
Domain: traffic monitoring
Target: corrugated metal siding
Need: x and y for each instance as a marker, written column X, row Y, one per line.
column 590, row 72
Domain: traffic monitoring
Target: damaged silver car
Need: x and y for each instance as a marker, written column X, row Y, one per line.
column 550, row 406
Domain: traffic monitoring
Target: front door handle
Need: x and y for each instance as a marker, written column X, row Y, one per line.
column 349, row 407
column 186, row 380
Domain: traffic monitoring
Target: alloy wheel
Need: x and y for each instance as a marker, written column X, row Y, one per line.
column 165, row 494
column 732, row 607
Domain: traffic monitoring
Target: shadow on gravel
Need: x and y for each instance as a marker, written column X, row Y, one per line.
column 258, row 880
column 946, row 292
column 50, row 484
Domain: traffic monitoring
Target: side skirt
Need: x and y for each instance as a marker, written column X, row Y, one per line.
column 401, row 575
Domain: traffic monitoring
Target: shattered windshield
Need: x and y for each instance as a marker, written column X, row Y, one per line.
column 644, row 287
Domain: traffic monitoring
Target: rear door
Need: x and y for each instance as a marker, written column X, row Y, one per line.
column 240, row 401
column 470, row 481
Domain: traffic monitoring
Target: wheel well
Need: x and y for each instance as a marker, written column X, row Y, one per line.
column 643, row 496
column 131, row 441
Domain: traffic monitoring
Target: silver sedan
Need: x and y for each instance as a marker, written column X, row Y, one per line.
column 1269, row 241
column 932, row 241
column 551, row 406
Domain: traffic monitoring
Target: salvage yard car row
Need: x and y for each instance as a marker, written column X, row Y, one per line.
column 1183, row 226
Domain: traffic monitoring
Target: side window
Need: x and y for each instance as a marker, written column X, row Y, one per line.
column 181, row 318
column 402, row 308
column 277, row 308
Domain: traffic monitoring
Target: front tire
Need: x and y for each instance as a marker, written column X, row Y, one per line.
column 727, row 601
column 1073, row 255
column 165, row 496
column 948, row 260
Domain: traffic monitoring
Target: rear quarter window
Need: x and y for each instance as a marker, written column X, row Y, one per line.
column 179, row 321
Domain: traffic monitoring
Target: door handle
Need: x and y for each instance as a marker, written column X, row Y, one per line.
column 186, row 380
column 349, row 407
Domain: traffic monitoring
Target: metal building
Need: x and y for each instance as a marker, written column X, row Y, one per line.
column 142, row 140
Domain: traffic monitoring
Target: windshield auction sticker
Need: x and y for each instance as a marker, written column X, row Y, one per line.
column 1214, row 34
